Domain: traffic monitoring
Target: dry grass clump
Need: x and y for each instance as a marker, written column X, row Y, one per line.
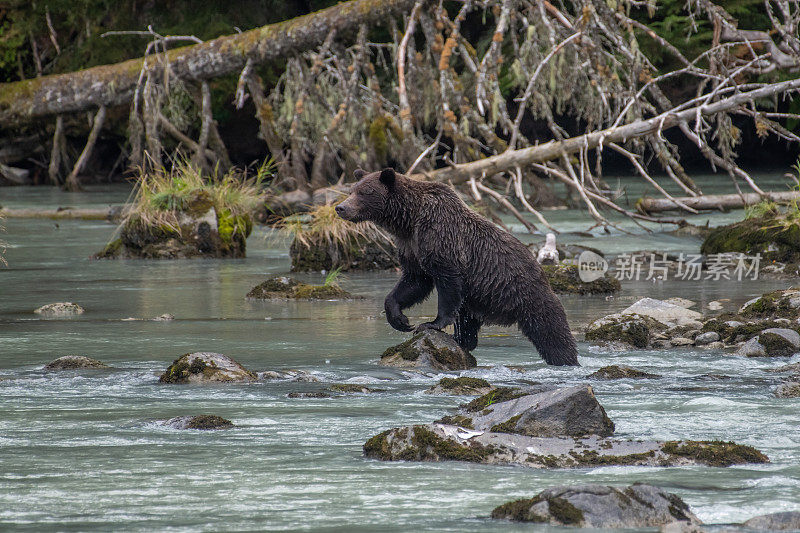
column 322, row 226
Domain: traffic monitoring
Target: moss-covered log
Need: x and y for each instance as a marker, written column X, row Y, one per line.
column 113, row 85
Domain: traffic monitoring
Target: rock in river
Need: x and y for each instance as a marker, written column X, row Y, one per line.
column 429, row 349
column 572, row 411
column 206, row 367
column 59, row 309
column 621, row 372
column 72, row 362
column 771, row 342
column 785, row 521
column 600, row 506
column 788, row 389
column 199, row 422
column 463, row 386
column 284, row 287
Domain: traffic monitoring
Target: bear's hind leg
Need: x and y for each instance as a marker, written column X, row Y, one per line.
column 465, row 330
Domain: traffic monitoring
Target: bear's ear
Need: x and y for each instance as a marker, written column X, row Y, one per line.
column 387, row 177
column 358, row 173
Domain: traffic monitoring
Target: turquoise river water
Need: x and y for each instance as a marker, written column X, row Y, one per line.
column 84, row 451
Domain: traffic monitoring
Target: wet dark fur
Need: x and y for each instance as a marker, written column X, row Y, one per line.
column 482, row 274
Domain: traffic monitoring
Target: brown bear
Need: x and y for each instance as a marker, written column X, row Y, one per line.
column 482, row 273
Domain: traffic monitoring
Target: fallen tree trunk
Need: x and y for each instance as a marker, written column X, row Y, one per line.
column 714, row 201
column 551, row 150
column 65, row 213
column 113, row 85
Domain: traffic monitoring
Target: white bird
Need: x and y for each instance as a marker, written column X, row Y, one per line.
column 548, row 254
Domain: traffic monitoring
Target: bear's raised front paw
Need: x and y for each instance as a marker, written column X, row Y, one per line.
column 399, row 322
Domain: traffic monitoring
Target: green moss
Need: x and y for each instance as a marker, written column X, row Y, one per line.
column 431, row 447
column 447, row 357
column 285, row 287
column 463, row 382
column 509, row 426
column 405, row 350
column 500, row 394
column 775, row 345
column 457, row 420
column 519, row 511
column 565, row 279
column 565, row 512
column 593, row 458
column 635, row 332
column 318, row 292
column 177, row 372
column 350, row 388
column 111, row 250
column 776, row 238
column 207, row 422
column 715, row 453
column 378, row 447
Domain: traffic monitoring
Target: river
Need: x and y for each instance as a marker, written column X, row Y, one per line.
column 83, row 450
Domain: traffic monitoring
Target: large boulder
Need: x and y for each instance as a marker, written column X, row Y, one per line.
column 668, row 314
column 600, row 506
column 204, row 422
column 788, row 389
column 431, row 349
column 637, row 331
column 572, row 411
column 206, row 367
column 772, row 235
column 772, row 342
column 74, row 362
column 784, row 521
column 59, row 309
column 776, row 304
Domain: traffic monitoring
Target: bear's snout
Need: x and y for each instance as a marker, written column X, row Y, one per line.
column 339, row 210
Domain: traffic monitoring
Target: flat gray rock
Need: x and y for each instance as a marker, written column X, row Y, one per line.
column 600, row 506
column 572, row 411
column 706, row 338
column 430, row 349
column 206, row 367
column 667, row 313
column 785, row 521
column 446, row 442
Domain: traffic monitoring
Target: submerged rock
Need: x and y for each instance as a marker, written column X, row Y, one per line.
column 621, row 372
column 784, row 521
column 284, row 287
column 312, row 394
column 788, row 389
column 600, row 506
column 59, row 309
column 463, row 386
column 429, row 349
column 206, row 367
column 350, row 388
column 166, row 317
column 771, row 342
column 206, row 422
column 289, row 375
column 572, row 411
column 564, row 279
column 445, row 442
column 72, row 362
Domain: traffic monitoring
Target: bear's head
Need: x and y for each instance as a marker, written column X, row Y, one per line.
column 368, row 197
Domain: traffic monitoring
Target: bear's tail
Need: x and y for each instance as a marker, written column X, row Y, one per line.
column 547, row 328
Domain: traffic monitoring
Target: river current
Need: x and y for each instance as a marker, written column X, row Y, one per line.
column 83, row 450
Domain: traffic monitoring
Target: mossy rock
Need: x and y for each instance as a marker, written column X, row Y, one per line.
column 600, row 507
column 206, row 367
column 351, row 388
column 356, row 253
column 498, row 395
column 776, row 238
column 715, row 453
column 462, row 386
column 202, row 422
column 284, row 287
column 565, row 279
column 419, row 443
column 429, row 349
column 635, row 330
column 621, row 372
column 59, row 310
column 74, row 362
